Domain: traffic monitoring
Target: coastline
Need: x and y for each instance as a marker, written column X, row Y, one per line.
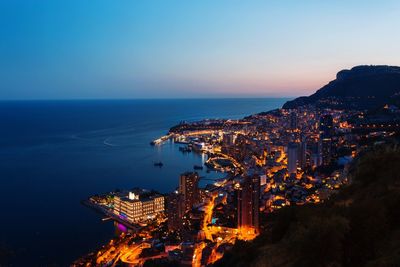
column 81, row 167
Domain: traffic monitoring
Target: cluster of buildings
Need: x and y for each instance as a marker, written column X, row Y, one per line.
column 299, row 156
column 184, row 203
column 183, row 200
column 272, row 160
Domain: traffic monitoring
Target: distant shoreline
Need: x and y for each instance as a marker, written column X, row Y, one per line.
column 140, row 99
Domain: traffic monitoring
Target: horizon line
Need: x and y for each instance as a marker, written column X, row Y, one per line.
column 144, row 98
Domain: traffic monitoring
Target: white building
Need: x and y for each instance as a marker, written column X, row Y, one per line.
column 136, row 207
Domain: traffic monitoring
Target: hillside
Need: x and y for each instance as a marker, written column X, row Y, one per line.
column 360, row 226
column 362, row 87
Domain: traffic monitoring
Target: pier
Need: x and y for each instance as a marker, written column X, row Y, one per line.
column 161, row 140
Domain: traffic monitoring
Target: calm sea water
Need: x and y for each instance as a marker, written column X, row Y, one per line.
column 53, row 154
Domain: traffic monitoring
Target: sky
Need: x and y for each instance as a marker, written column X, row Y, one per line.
column 81, row 49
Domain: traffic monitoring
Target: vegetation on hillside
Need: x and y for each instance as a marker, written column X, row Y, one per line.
column 360, row 226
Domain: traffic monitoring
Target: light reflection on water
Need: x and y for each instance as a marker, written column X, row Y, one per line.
column 53, row 156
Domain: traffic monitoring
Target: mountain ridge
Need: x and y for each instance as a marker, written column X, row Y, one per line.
column 361, row 87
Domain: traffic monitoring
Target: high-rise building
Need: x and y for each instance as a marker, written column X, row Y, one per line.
column 303, row 152
column 326, row 126
column 293, row 154
column 316, row 155
column 138, row 206
column 175, row 211
column 189, row 188
column 248, row 202
column 229, row 139
column 293, row 120
column 326, row 150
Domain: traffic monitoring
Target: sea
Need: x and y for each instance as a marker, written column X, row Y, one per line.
column 54, row 154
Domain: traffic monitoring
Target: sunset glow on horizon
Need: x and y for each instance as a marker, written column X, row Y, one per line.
column 185, row 49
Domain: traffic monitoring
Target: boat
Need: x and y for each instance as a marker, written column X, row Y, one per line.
column 158, row 164
column 198, row 167
column 185, row 149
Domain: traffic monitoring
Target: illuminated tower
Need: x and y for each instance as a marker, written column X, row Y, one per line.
column 303, row 152
column 189, row 188
column 292, row 157
column 316, row 155
column 248, row 202
column 175, row 211
column 326, row 150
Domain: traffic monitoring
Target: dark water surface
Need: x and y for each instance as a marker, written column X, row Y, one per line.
column 53, row 154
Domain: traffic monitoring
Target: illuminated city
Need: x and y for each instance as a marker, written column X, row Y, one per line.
column 206, row 133
column 285, row 157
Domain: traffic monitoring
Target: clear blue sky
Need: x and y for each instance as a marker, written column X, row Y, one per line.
column 143, row 49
